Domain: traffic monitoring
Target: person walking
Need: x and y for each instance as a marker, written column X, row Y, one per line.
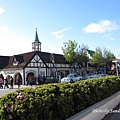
column 1, row 86
column 39, row 80
column 26, row 81
column 44, row 80
column 2, row 77
column 11, row 82
column 31, row 80
column 59, row 78
column 18, row 81
column 35, row 79
column 6, row 83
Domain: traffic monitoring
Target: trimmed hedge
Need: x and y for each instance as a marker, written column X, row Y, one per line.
column 56, row 101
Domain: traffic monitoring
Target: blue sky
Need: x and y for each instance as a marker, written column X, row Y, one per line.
column 90, row 22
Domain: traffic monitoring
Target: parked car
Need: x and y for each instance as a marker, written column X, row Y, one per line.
column 71, row 78
column 102, row 75
column 101, row 71
column 90, row 75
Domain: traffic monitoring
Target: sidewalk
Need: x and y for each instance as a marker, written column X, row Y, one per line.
column 3, row 92
column 115, row 115
column 21, row 86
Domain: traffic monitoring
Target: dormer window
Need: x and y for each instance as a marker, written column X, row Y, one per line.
column 15, row 62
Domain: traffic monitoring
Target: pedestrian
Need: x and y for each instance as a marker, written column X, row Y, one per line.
column 31, row 80
column 2, row 77
column 39, row 80
column 26, row 81
column 18, row 81
column 1, row 84
column 35, row 79
column 44, row 79
column 11, row 82
column 6, row 83
column 59, row 78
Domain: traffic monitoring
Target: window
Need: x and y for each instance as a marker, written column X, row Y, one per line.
column 42, row 72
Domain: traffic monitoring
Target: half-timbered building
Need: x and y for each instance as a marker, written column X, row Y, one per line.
column 33, row 63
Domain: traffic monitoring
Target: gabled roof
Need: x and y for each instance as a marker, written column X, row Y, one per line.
column 90, row 52
column 4, row 60
column 24, row 59
column 58, row 58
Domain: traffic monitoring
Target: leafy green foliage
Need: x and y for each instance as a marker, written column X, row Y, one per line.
column 56, row 101
column 81, row 56
column 69, row 51
column 75, row 55
column 101, row 58
column 97, row 60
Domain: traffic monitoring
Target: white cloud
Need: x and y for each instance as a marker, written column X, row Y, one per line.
column 108, row 36
column 58, row 34
column 11, row 44
column 1, row 10
column 14, row 44
column 100, row 27
column 3, row 28
column 51, row 49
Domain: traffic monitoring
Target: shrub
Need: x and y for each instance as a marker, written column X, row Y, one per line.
column 56, row 101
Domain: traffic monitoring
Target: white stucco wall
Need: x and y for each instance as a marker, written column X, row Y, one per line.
column 12, row 73
column 34, row 70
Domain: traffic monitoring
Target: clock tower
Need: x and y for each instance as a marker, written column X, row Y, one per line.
column 36, row 45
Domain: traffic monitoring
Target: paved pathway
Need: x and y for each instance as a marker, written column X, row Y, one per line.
column 115, row 115
column 7, row 90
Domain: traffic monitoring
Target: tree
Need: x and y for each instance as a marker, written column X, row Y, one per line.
column 75, row 55
column 81, row 54
column 101, row 58
column 69, row 51
column 97, row 59
column 109, row 57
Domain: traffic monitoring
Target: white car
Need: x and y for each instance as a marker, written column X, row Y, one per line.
column 102, row 75
column 91, row 75
column 72, row 78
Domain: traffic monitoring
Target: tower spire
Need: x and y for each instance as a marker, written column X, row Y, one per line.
column 36, row 37
column 36, row 45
